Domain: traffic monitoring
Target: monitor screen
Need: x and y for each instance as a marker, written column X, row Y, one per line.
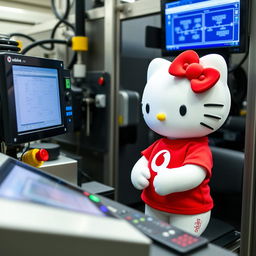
column 20, row 182
column 37, row 99
column 201, row 24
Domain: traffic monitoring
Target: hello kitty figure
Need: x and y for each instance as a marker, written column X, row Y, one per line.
column 183, row 101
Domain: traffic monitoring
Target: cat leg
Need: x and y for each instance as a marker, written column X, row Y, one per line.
column 163, row 216
column 194, row 224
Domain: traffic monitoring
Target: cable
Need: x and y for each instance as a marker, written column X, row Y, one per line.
column 89, row 178
column 30, row 38
column 58, row 24
column 24, row 151
column 62, row 19
column 239, row 64
column 56, row 13
column 6, row 47
column 73, row 61
column 55, row 29
column 22, row 35
column 47, row 41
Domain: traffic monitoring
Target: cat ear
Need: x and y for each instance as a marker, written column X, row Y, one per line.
column 157, row 64
column 218, row 62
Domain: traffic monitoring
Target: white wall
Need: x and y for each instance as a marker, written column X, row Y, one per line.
column 22, row 14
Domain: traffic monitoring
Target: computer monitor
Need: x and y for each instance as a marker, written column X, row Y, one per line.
column 205, row 26
column 35, row 98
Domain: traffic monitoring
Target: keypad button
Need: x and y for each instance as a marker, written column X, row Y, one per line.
column 165, row 234
column 123, row 212
column 171, row 232
column 94, row 198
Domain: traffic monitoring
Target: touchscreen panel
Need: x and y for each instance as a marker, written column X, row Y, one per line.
column 22, row 184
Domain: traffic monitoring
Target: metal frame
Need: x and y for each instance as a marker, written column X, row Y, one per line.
column 111, row 65
column 248, row 229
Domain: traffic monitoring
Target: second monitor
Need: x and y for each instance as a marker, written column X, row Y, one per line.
column 204, row 24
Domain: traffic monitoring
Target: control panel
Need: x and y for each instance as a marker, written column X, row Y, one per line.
column 68, row 100
column 161, row 232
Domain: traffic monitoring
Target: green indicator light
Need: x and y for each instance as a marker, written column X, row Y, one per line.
column 68, row 84
column 135, row 221
column 94, row 198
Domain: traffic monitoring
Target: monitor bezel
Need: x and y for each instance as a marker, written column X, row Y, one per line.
column 8, row 165
column 244, row 34
column 10, row 134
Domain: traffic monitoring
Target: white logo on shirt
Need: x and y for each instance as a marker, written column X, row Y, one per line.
column 167, row 159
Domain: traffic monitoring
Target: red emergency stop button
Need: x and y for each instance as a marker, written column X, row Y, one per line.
column 101, row 81
column 42, row 155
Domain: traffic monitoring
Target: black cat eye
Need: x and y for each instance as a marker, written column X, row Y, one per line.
column 147, row 108
column 183, row 110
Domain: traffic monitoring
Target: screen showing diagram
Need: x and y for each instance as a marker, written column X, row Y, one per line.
column 200, row 24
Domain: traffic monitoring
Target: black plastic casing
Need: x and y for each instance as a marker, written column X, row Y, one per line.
column 8, row 129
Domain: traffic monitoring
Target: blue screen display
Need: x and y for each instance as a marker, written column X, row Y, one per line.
column 202, row 24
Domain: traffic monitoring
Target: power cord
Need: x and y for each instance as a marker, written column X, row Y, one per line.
column 30, row 38
column 62, row 19
column 8, row 45
column 41, row 42
column 240, row 63
column 24, row 151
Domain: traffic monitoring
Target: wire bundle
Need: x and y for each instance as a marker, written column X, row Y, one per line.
column 8, row 45
column 62, row 19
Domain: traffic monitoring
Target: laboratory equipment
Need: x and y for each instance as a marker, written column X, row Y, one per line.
column 44, row 215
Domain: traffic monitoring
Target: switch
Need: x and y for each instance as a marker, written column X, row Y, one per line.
column 100, row 101
column 68, row 96
column 101, row 81
column 67, row 83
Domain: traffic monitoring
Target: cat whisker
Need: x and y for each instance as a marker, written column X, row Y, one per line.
column 206, row 125
column 212, row 116
column 213, row 105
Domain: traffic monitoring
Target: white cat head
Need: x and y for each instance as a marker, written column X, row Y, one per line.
column 174, row 108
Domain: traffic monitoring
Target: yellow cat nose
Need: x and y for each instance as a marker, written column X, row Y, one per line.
column 161, row 116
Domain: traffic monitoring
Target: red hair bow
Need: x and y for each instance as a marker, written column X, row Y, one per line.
column 187, row 65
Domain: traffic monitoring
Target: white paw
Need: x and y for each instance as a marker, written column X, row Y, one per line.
column 140, row 176
column 161, row 184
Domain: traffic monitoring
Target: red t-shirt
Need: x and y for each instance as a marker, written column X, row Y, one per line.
column 179, row 153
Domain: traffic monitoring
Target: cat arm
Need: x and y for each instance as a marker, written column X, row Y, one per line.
column 140, row 174
column 178, row 179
